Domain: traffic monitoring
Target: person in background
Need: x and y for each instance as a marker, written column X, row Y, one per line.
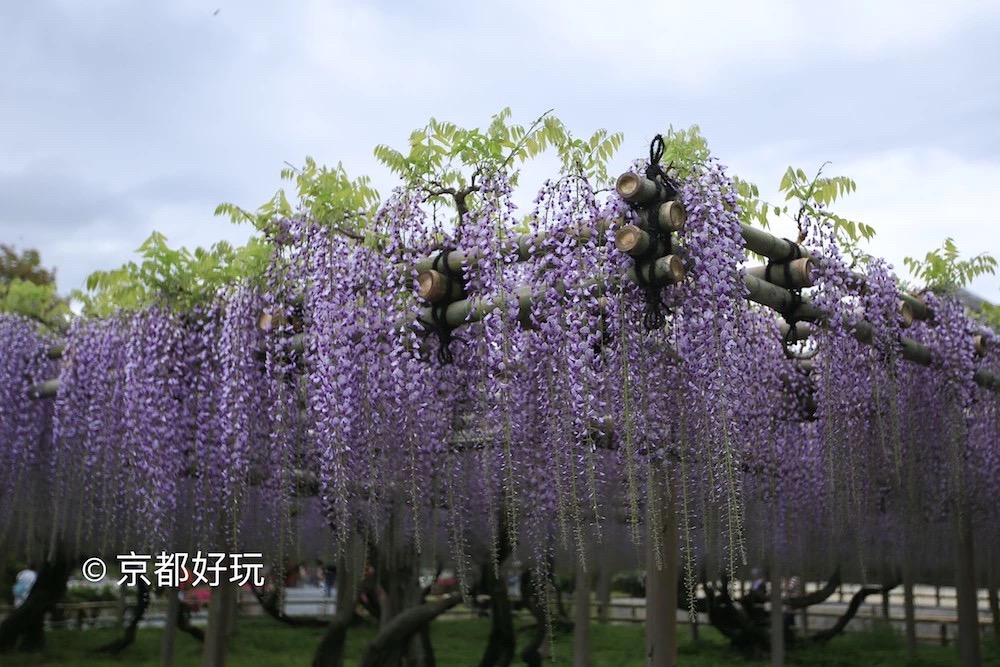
column 23, row 584
column 329, row 579
column 792, row 588
column 758, row 586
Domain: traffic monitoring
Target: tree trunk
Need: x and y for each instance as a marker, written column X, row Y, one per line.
column 993, row 594
column 397, row 573
column 170, row 627
column 24, row 628
column 531, row 580
column 502, row 642
column 216, row 635
column 995, row 609
column 384, row 650
column 234, row 611
column 184, row 623
column 581, row 618
column 777, row 617
column 852, row 608
column 604, row 576
column 330, row 652
column 909, row 612
column 141, row 605
column 661, row 582
column 965, row 572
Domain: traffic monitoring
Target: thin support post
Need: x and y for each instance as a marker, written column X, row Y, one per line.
column 170, row 627
column 581, row 617
column 661, row 574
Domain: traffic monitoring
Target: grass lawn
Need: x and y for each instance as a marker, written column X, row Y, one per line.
column 459, row 643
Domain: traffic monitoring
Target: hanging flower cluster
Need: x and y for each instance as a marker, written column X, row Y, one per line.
column 25, row 428
column 324, row 398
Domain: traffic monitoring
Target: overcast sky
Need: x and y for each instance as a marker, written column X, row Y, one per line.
column 121, row 117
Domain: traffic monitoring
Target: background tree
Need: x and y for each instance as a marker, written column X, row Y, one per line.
column 29, row 290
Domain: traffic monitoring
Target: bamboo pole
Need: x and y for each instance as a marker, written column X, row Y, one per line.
column 465, row 311
column 670, row 216
column 803, row 330
column 435, row 287
column 780, row 300
column 473, row 310
column 523, row 247
column 776, row 248
column 667, row 270
column 637, row 189
column 46, row 389
column 905, row 311
column 917, row 305
column 799, row 274
column 637, row 242
column 980, row 345
column 770, row 246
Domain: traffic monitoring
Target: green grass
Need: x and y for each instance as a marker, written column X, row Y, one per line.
column 459, row 643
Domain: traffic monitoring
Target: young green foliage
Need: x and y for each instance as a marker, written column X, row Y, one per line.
column 944, row 269
column 754, row 210
column 449, row 162
column 172, row 277
column 684, row 151
column 327, row 195
column 815, row 195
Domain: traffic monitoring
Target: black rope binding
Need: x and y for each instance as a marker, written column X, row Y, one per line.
column 794, row 253
column 653, row 318
column 439, row 321
column 654, row 172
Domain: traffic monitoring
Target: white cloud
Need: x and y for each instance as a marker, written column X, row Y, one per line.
column 697, row 44
column 131, row 98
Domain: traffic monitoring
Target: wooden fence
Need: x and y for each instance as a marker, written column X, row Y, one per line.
column 934, row 609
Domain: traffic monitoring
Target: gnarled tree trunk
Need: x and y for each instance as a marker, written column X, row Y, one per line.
column 330, row 652
column 24, row 629
column 387, row 647
column 141, row 605
column 502, row 642
column 531, row 654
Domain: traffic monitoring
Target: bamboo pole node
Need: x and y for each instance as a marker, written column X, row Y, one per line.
column 672, row 216
column 637, row 189
column 675, row 268
column 917, row 305
column 631, row 240
column 628, row 186
column 979, row 344
column 268, row 321
column 905, row 314
column 433, row 286
column 796, row 274
column 664, row 271
column 803, row 330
